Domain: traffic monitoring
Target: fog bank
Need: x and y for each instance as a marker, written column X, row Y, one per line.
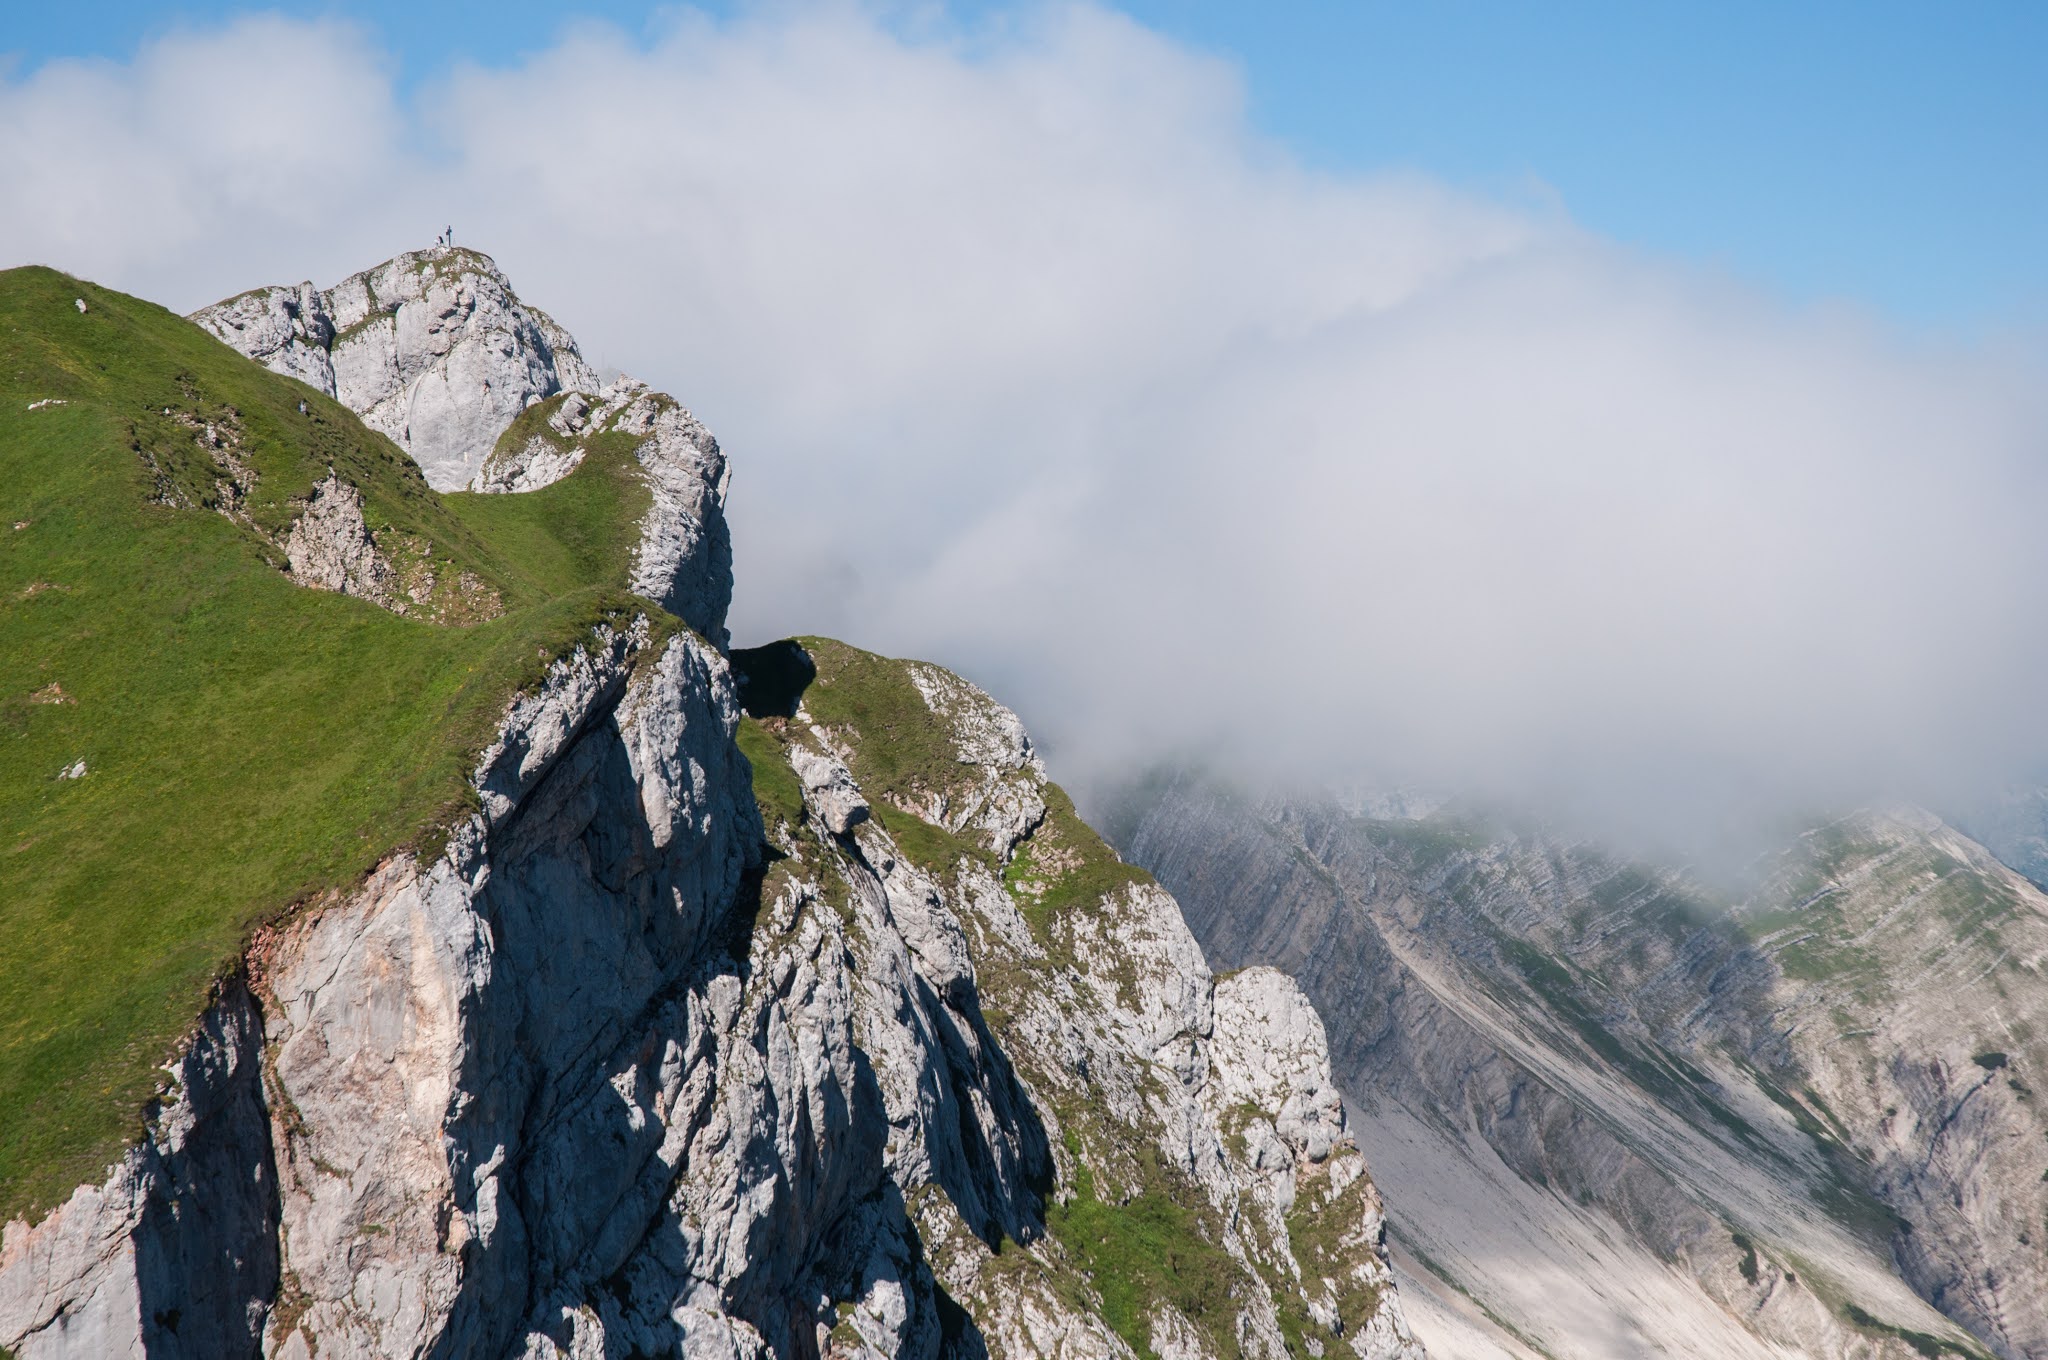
column 1032, row 359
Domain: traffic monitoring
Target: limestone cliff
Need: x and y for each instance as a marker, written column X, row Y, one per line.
column 762, row 1003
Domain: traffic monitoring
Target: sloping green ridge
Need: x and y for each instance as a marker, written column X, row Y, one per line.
column 247, row 742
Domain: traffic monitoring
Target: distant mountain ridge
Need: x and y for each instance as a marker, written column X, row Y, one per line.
column 1627, row 1119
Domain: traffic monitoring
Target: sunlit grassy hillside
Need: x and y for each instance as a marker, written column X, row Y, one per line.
column 246, row 742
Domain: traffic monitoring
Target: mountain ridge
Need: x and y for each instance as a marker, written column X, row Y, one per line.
column 731, row 1005
column 1687, row 1088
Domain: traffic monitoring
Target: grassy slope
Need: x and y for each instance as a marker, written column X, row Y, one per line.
column 248, row 742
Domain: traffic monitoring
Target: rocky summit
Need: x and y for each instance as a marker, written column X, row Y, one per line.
column 448, row 946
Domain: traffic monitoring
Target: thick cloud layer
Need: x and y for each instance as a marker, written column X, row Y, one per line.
column 1033, row 360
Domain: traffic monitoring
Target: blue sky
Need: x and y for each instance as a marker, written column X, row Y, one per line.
column 1891, row 154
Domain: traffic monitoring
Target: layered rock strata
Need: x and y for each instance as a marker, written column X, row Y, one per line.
column 1631, row 1119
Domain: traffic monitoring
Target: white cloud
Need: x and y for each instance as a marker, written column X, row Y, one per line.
column 1031, row 358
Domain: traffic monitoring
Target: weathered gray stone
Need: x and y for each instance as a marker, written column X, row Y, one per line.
column 329, row 547
column 431, row 348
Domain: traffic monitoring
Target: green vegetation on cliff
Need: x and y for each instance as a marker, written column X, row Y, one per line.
column 1149, row 1250
column 1132, row 1234
column 246, row 742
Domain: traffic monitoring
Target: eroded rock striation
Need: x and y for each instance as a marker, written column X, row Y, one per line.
column 1631, row 1118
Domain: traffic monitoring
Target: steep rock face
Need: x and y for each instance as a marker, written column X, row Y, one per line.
column 432, row 348
column 587, row 1083
column 450, row 1045
column 427, row 1047
column 174, row 1255
column 1627, row 1118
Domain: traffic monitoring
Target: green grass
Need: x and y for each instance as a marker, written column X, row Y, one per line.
column 1326, row 1234
column 902, row 751
column 931, row 848
column 249, row 743
column 1064, row 867
column 563, row 537
column 1149, row 1250
column 776, row 790
column 1429, row 843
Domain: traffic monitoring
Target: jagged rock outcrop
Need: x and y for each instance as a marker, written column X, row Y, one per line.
column 1629, row 1118
column 859, row 1043
column 432, row 348
column 586, row 1083
column 1143, row 1087
column 329, row 546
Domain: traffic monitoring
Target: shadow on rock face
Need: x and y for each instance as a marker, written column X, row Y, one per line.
column 207, row 1243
